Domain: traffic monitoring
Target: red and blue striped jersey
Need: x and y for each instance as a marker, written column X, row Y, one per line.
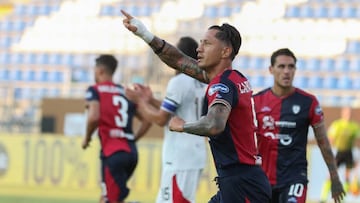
column 116, row 115
column 283, row 124
column 236, row 144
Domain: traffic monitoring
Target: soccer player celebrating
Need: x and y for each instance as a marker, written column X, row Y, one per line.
column 112, row 114
column 284, row 114
column 228, row 118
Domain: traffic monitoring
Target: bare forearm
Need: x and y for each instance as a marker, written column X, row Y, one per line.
column 152, row 113
column 177, row 60
column 155, row 102
column 211, row 124
column 90, row 129
column 326, row 151
column 143, row 128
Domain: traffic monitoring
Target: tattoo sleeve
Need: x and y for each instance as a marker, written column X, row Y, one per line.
column 211, row 124
column 325, row 148
column 174, row 58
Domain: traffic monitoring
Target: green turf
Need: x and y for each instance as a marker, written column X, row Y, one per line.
column 17, row 199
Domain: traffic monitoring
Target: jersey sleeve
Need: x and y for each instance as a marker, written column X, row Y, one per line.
column 173, row 96
column 316, row 113
column 223, row 92
column 91, row 94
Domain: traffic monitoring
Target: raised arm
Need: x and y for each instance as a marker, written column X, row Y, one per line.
column 337, row 190
column 168, row 53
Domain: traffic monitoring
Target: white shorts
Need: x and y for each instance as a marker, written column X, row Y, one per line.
column 178, row 186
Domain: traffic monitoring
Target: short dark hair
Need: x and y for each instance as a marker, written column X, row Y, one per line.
column 188, row 45
column 109, row 61
column 230, row 35
column 279, row 52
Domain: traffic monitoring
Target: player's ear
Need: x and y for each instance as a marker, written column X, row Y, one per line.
column 226, row 52
column 271, row 69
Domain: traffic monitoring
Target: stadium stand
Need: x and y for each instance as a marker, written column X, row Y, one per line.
column 43, row 55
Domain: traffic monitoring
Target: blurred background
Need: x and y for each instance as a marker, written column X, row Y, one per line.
column 47, row 52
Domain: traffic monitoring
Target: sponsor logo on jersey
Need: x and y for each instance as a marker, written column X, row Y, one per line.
column 265, row 109
column 318, row 110
column 296, row 109
column 219, row 87
column 268, row 122
column 244, row 87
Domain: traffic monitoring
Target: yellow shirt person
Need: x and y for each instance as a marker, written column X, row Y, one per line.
column 343, row 133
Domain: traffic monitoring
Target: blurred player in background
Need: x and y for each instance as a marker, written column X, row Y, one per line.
column 183, row 154
column 111, row 113
column 342, row 133
column 228, row 119
column 284, row 114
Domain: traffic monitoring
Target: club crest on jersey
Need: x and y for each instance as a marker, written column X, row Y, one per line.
column 296, row 109
column 219, row 87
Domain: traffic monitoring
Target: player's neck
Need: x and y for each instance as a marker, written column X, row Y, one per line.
column 218, row 70
column 282, row 91
column 105, row 79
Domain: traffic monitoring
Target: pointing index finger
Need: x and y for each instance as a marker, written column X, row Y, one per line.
column 128, row 16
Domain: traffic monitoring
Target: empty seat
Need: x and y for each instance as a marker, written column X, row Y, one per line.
column 242, row 62
column 292, row 11
column 301, row 81
column 43, row 76
column 312, row 64
column 321, row 11
column 355, row 84
column 268, row 81
column 306, row 11
column 330, row 82
column 256, row 81
column 349, row 11
column 30, row 58
column 4, row 75
column 334, row 11
column 107, row 10
column 17, row 93
column 17, row 58
column 224, row 11
column 16, row 75
column 42, row 58
column 315, row 82
column 55, row 59
column 353, row 47
column 211, row 11
column 327, row 64
column 256, row 63
column 345, row 82
column 341, row 64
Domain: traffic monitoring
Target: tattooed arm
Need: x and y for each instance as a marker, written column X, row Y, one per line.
column 210, row 125
column 337, row 190
column 168, row 53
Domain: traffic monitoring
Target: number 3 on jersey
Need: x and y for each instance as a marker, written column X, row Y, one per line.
column 121, row 120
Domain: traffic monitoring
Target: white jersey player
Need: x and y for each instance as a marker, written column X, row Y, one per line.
column 183, row 155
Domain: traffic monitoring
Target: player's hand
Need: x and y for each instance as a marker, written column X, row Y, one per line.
column 86, row 143
column 132, row 94
column 127, row 20
column 176, row 124
column 139, row 93
column 137, row 27
column 337, row 190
